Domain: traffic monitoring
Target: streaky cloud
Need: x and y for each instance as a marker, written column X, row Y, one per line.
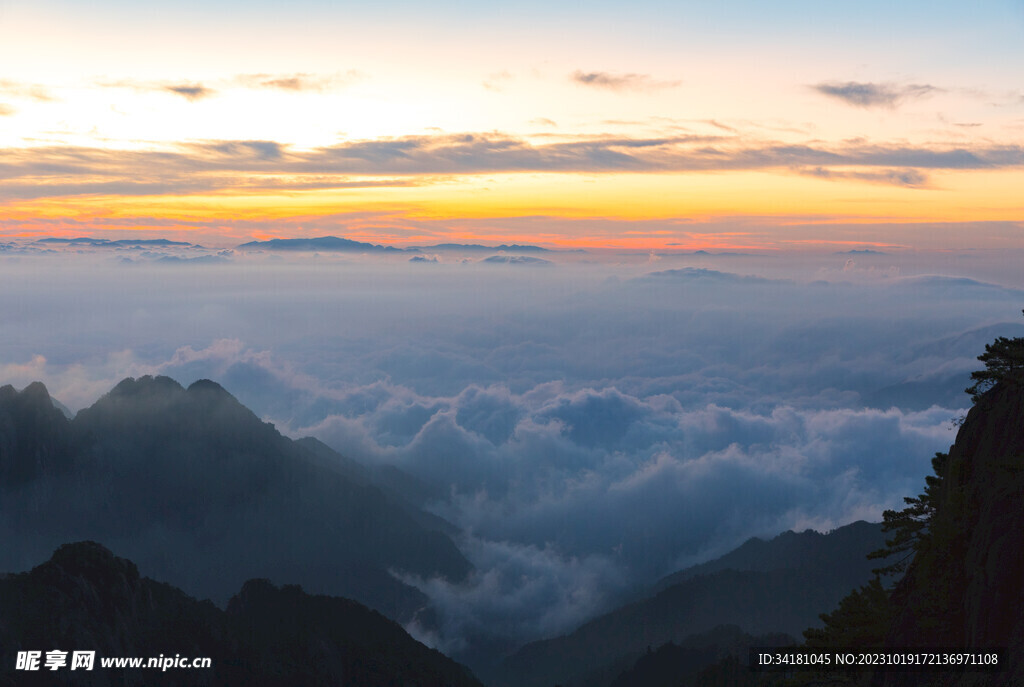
column 909, row 178
column 190, row 91
column 18, row 89
column 297, row 82
column 255, row 164
column 868, row 95
column 620, row 82
column 264, row 150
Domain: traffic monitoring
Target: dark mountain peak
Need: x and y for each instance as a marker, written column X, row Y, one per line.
column 209, row 393
column 256, row 588
column 86, row 598
column 261, row 596
column 791, row 550
column 329, row 636
column 198, row 489
column 208, row 386
column 36, row 393
column 91, row 562
column 81, row 551
column 34, row 434
column 147, row 385
column 33, row 398
column 164, row 401
column 131, row 406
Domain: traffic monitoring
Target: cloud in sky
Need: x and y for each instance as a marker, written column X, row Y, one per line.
column 910, row 178
column 497, row 80
column 297, row 82
column 260, row 150
column 273, row 165
column 193, row 90
column 25, row 90
column 620, row 82
column 190, row 91
column 869, row 95
column 6, row 110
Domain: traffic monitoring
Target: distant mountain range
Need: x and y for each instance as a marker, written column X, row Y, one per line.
column 86, row 241
column 84, row 598
column 326, row 244
column 516, row 260
column 199, row 260
column 777, row 586
column 323, row 243
column 200, row 492
column 478, row 248
column 337, row 244
column 794, row 550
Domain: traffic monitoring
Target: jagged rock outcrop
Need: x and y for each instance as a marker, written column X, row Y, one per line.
column 87, row 599
column 965, row 586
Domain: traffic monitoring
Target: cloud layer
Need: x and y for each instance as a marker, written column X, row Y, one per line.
column 273, row 166
column 589, row 427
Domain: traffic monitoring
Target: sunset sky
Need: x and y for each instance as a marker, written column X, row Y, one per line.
column 589, row 420
column 651, row 125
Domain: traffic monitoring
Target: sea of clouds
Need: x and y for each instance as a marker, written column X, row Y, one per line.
column 590, row 424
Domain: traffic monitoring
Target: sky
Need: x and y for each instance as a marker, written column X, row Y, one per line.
column 740, row 125
column 593, row 420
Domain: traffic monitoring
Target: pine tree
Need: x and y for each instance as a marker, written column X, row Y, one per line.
column 910, row 525
column 860, row 621
column 1004, row 361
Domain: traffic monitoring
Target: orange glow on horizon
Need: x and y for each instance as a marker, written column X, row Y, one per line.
column 754, row 210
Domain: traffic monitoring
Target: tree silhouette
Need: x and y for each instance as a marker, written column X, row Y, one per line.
column 860, row 621
column 910, row 525
column 1004, row 361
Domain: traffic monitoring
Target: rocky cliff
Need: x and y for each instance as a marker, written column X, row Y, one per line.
column 965, row 586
